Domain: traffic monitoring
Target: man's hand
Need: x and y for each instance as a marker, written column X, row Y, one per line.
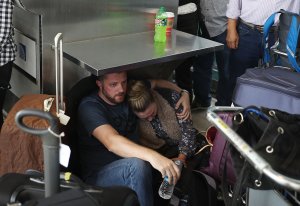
column 232, row 38
column 185, row 102
column 166, row 167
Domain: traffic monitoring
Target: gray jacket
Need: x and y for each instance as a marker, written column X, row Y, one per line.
column 214, row 12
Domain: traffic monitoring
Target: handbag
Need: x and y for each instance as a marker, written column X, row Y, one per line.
column 220, row 158
column 201, row 157
column 274, row 135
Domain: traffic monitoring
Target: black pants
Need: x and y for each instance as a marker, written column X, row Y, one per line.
column 187, row 23
column 193, row 24
column 5, row 75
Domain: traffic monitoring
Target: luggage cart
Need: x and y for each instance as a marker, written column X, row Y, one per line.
column 291, row 193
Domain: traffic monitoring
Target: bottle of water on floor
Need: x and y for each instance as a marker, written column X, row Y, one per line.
column 166, row 190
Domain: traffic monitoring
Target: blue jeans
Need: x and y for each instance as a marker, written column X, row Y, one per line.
column 131, row 172
column 248, row 53
column 203, row 71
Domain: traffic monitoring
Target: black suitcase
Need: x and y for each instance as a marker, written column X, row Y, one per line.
column 29, row 190
column 51, row 188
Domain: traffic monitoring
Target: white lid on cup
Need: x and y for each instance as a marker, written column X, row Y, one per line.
column 170, row 14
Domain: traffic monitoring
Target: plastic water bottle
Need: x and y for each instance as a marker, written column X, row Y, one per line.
column 160, row 25
column 166, row 190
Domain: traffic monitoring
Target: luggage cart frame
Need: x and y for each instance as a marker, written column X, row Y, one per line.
column 260, row 164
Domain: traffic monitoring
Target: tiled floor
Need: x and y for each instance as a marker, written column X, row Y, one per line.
column 199, row 118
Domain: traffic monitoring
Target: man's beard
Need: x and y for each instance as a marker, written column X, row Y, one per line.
column 113, row 99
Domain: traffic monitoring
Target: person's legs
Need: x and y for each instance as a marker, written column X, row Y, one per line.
column 245, row 56
column 187, row 23
column 202, row 79
column 5, row 75
column 183, row 75
column 222, row 59
column 132, row 172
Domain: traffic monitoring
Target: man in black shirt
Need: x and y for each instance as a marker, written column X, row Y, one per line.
column 107, row 135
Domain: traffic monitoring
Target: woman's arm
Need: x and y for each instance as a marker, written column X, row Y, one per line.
column 187, row 144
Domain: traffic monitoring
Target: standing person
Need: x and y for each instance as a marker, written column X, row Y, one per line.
column 7, row 50
column 214, row 24
column 109, row 152
column 245, row 32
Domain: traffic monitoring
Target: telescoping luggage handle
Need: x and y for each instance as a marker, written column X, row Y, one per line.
column 246, row 151
column 60, row 106
column 50, row 138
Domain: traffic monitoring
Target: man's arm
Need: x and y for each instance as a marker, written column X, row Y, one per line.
column 232, row 38
column 184, row 100
column 233, row 13
column 123, row 147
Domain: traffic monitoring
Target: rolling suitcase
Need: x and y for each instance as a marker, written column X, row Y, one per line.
column 17, row 148
column 51, row 189
column 274, row 87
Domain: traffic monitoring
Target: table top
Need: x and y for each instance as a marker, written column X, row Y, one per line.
column 131, row 51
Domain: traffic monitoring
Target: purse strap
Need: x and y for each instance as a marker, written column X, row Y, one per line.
column 292, row 42
column 267, row 26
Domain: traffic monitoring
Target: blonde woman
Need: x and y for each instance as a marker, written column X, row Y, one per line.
column 159, row 127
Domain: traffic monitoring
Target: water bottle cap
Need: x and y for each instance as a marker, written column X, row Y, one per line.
column 178, row 162
column 162, row 9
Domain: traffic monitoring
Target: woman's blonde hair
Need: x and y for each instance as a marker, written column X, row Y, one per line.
column 139, row 96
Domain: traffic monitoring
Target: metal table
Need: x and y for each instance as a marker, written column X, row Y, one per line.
column 130, row 51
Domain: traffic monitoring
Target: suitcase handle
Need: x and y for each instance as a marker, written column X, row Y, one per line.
column 260, row 164
column 59, row 76
column 38, row 113
column 51, row 139
column 59, row 73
